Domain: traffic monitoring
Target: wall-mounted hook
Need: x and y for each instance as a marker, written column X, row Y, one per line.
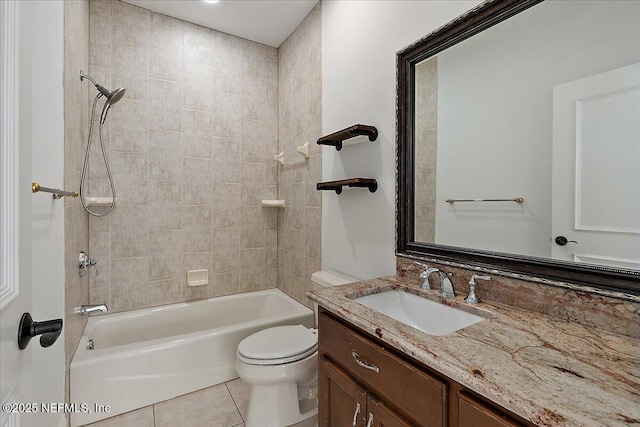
column 304, row 150
column 279, row 158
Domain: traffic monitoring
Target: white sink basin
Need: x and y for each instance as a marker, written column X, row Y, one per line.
column 423, row 314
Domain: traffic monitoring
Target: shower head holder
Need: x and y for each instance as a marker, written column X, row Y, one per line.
column 112, row 96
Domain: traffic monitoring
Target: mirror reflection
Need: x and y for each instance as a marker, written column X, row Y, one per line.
column 545, row 107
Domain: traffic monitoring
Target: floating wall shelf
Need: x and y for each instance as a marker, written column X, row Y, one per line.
column 336, row 138
column 369, row 183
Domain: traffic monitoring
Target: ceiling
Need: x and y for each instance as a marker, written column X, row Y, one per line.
column 265, row 21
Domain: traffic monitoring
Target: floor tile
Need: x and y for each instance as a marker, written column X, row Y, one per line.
column 139, row 418
column 240, row 393
column 210, row 407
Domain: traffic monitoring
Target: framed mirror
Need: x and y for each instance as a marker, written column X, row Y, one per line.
column 518, row 139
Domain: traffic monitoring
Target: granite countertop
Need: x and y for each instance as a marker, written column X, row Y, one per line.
column 546, row 370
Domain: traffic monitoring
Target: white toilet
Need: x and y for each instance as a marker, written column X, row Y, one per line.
column 281, row 365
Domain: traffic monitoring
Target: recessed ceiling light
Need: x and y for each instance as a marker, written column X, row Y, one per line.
column 211, row 1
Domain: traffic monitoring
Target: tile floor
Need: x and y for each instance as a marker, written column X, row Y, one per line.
column 223, row 405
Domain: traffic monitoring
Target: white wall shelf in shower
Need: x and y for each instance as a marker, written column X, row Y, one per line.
column 98, row 201
column 273, row 203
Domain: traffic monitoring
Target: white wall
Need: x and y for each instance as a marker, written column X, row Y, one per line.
column 359, row 43
column 510, row 71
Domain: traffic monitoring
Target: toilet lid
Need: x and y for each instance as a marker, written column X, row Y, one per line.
column 277, row 345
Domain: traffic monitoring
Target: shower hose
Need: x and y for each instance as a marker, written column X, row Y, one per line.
column 85, row 166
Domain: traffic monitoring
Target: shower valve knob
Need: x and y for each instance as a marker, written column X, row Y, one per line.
column 84, row 263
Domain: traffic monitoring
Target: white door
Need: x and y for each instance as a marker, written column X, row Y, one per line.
column 31, row 225
column 596, row 172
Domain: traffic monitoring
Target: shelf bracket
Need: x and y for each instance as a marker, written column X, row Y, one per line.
column 369, row 183
column 336, row 139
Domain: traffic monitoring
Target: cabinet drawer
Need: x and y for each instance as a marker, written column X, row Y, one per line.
column 473, row 413
column 420, row 396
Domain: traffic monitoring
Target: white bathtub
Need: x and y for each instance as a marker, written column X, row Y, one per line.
column 146, row 356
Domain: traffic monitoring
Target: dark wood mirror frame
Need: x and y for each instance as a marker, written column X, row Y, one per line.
column 476, row 20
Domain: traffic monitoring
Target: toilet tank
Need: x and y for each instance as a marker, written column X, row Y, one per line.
column 326, row 278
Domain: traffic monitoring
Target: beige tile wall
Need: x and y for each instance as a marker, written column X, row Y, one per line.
column 191, row 148
column 300, row 121
column 76, row 238
column 426, row 150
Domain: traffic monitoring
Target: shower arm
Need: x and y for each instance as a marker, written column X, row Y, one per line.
column 88, row 77
column 103, row 90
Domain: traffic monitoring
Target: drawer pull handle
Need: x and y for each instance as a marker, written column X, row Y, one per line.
column 370, row 422
column 355, row 415
column 364, row 364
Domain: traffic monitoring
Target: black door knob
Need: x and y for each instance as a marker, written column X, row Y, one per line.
column 49, row 331
column 561, row 241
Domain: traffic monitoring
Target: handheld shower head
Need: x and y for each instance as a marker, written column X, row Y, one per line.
column 112, row 96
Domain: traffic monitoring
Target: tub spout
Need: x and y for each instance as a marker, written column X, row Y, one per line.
column 87, row 309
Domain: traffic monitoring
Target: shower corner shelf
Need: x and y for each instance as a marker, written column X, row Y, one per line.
column 336, row 139
column 273, row 203
column 98, row 202
column 369, row 183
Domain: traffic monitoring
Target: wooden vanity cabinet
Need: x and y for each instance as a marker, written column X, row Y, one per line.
column 383, row 416
column 383, row 374
column 473, row 413
column 346, row 403
column 363, row 383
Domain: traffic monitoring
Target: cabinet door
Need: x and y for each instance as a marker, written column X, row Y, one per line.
column 418, row 395
column 341, row 402
column 473, row 413
column 380, row 415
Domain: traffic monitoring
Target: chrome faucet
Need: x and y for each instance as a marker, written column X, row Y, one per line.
column 446, row 288
column 472, row 298
column 87, row 309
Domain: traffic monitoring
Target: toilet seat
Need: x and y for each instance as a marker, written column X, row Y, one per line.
column 278, row 345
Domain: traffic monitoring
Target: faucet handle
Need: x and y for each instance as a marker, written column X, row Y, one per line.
column 472, row 281
column 424, row 275
column 472, row 298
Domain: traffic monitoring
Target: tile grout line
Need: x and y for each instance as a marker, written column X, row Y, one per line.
column 234, row 401
column 153, row 414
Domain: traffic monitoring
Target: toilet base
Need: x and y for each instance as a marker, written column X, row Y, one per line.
column 278, row 406
column 281, row 395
